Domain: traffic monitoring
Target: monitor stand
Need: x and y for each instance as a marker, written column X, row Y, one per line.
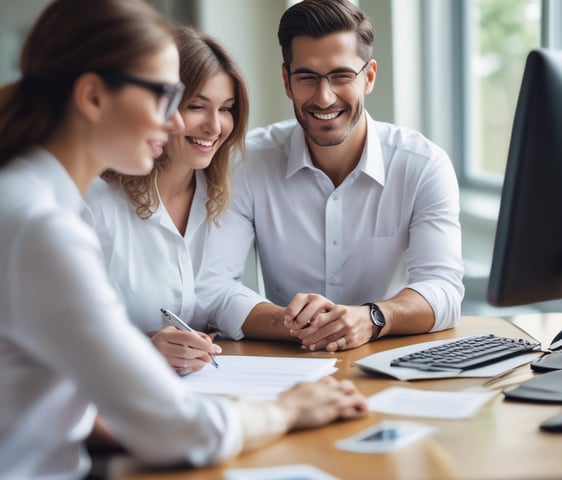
column 552, row 424
column 552, row 360
column 556, row 343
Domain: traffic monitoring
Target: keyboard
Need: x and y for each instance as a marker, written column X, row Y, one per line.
column 466, row 353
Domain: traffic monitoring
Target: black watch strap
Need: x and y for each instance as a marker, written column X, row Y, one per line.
column 377, row 317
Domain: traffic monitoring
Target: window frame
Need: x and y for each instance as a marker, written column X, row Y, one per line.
column 447, row 40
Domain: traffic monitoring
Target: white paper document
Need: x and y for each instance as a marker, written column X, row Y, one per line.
column 287, row 472
column 380, row 363
column 257, row 376
column 426, row 403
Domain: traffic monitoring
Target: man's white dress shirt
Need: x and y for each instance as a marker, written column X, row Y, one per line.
column 393, row 223
column 66, row 344
column 150, row 264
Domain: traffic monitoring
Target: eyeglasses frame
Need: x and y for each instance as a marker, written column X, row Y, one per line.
column 320, row 76
column 173, row 92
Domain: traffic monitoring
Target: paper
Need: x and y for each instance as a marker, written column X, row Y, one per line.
column 425, row 403
column 380, row 363
column 258, row 376
column 385, row 437
column 289, row 472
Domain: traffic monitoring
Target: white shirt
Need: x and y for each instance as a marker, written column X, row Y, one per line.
column 392, row 223
column 150, row 264
column 65, row 341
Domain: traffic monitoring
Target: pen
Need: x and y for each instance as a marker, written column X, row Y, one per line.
column 181, row 325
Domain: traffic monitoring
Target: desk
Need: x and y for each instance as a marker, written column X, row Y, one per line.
column 501, row 442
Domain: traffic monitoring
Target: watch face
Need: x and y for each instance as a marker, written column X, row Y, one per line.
column 377, row 316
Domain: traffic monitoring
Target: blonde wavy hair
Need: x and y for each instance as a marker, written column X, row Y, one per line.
column 201, row 57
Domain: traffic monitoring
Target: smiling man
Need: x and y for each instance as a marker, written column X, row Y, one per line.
column 355, row 221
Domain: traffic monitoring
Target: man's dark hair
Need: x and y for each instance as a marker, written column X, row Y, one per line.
column 318, row 18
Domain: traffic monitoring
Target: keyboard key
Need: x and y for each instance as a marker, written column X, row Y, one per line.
column 466, row 353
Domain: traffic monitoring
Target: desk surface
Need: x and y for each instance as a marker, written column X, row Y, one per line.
column 501, row 442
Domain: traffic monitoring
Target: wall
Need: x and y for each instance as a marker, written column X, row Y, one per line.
column 249, row 30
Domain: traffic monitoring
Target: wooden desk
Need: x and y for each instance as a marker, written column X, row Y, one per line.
column 501, row 442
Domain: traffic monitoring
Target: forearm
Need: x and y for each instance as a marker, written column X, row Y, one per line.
column 262, row 422
column 265, row 322
column 406, row 313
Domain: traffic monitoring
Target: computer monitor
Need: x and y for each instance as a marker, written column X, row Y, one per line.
column 527, row 258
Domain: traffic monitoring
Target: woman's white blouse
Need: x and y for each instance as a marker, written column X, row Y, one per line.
column 150, row 264
column 65, row 342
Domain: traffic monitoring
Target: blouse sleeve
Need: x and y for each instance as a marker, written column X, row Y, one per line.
column 66, row 315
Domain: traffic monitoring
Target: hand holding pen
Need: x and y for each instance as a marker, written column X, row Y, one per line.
column 177, row 322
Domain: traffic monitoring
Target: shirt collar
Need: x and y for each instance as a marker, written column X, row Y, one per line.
column 198, row 213
column 65, row 190
column 299, row 156
column 371, row 161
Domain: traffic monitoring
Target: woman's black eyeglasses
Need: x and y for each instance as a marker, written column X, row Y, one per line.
column 170, row 94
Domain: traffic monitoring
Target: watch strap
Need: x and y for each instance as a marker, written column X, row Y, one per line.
column 379, row 322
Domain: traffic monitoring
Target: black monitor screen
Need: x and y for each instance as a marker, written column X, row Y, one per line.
column 527, row 259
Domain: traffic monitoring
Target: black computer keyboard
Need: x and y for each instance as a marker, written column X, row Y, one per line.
column 466, row 353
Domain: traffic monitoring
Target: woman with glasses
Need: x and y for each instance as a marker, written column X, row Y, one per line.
column 153, row 228
column 67, row 348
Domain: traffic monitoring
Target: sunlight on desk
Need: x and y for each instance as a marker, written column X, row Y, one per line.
column 502, row 441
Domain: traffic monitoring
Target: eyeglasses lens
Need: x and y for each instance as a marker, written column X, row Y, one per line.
column 171, row 100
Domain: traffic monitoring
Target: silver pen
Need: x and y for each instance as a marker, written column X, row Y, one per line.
column 181, row 325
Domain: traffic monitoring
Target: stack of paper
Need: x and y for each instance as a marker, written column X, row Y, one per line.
column 258, row 377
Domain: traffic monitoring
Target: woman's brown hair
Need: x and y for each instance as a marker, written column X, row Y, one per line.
column 201, row 57
column 69, row 39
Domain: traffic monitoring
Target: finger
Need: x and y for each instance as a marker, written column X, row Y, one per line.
column 295, row 306
column 320, row 339
column 190, row 366
column 214, row 347
column 193, row 340
column 182, row 352
column 318, row 321
column 323, row 325
column 348, row 387
column 339, row 344
column 302, row 310
column 358, row 409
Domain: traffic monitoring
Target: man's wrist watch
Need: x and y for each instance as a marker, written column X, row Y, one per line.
column 377, row 317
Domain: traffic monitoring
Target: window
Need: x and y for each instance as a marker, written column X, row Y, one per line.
column 498, row 36
column 474, row 55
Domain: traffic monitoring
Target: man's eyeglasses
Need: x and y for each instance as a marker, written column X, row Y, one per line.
column 169, row 95
column 337, row 78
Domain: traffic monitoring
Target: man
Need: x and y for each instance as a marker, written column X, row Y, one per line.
column 359, row 215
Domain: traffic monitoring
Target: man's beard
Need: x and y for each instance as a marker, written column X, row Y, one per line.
column 336, row 138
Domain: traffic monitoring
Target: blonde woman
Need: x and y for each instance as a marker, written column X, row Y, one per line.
column 153, row 228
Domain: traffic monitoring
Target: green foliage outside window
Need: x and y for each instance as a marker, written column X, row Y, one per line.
column 503, row 32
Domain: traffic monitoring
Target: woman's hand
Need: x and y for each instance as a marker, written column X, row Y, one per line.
column 186, row 352
column 310, row 405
